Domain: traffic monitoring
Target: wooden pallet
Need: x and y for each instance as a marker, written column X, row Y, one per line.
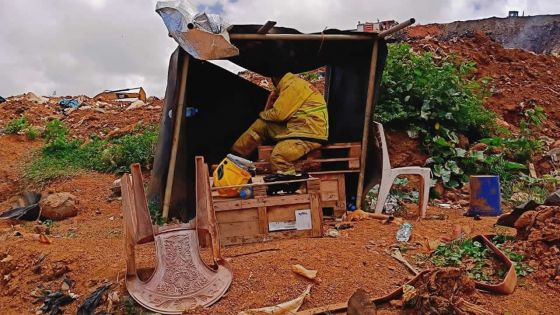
column 256, row 219
column 346, row 155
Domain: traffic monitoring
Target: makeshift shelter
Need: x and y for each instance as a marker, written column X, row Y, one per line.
column 227, row 104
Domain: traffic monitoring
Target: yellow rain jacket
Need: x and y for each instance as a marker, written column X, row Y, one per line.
column 301, row 107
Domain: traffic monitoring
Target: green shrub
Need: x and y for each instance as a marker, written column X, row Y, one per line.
column 61, row 157
column 31, row 132
column 16, row 125
column 437, row 100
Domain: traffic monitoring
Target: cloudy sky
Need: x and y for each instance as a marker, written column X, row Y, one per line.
column 86, row 46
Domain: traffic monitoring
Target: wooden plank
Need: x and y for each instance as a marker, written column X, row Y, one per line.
column 277, row 235
column 243, row 215
column 284, row 213
column 263, row 220
column 333, row 172
column 367, row 120
column 266, row 27
column 239, row 229
column 329, row 190
column 226, row 205
column 316, row 215
column 341, row 192
column 178, row 116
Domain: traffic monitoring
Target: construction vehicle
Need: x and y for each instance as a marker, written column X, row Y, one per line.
column 122, row 94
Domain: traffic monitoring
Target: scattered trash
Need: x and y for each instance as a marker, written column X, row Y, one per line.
column 116, row 187
column 26, row 208
column 404, row 232
column 59, row 206
column 396, row 253
column 553, row 199
column 440, row 291
column 286, row 308
column 92, row 301
column 360, row 304
column 333, row 233
column 302, row 271
column 359, row 215
column 44, row 239
column 69, row 103
column 30, row 96
column 53, row 302
column 440, row 216
column 135, row 105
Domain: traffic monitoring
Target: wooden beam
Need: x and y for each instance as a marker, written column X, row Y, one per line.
column 367, row 119
column 266, row 27
column 294, row 37
column 178, row 116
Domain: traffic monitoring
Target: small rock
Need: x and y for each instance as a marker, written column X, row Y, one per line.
column 396, row 303
column 7, row 259
column 59, row 206
column 64, row 286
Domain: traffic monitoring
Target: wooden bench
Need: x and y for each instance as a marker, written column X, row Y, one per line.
column 330, row 163
column 263, row 218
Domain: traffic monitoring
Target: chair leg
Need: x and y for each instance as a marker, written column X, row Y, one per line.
column 424, row 194
column 384, row 189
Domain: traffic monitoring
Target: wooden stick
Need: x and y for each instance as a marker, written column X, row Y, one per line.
column 234, row 37
column 264, row 183
column 367, row 120
column 256, row 252
column 266, row 27
column 396, row 253
column 178, row 115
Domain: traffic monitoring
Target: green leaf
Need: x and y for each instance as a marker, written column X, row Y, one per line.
column 406, row 98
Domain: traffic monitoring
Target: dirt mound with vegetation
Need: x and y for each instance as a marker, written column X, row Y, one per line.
column 539, row 34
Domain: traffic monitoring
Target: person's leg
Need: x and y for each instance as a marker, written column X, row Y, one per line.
column 286, row 152
column 248, row 142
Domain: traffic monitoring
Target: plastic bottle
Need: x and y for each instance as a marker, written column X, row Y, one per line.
column 404, row 232
column 246, row 192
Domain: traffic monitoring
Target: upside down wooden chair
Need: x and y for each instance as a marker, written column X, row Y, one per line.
column 181, row 280
column 389, row 174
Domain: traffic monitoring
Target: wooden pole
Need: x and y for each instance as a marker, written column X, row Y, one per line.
column 367, row 120
column 178, row 115
column 302, row 36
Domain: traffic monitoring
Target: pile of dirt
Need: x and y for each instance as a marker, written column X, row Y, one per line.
column 519, row 79
column 539, row 238
column 539, row 34
column 91, row 118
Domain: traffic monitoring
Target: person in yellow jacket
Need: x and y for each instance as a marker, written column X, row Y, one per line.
column 295, row 117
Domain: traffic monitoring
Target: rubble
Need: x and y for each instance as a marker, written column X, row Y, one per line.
column 538, row 237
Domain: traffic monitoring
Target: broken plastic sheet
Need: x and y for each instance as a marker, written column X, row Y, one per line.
column 204, row 36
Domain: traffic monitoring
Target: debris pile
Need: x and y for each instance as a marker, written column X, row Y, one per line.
column 539, row 238
column 441, row 291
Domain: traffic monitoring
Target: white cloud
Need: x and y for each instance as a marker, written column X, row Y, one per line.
column 86, row 46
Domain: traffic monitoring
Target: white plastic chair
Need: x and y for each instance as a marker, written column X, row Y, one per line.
column 389, row 174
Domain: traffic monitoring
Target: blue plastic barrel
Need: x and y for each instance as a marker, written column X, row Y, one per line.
column 485, row 196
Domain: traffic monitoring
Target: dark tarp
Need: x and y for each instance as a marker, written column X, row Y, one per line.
column 228, row 104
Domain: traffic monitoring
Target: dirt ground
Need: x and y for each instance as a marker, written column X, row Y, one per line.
column 91, row 246
column 89, row 249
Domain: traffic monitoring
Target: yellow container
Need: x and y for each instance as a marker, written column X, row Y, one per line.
column 228, row 173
